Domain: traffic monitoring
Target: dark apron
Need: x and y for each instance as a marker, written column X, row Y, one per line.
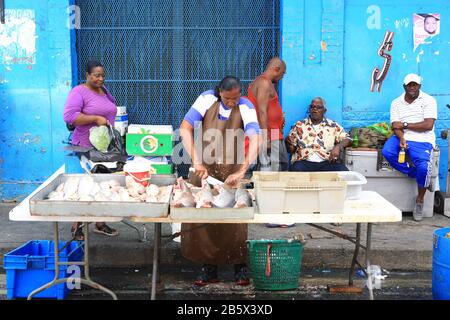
column 218, row 243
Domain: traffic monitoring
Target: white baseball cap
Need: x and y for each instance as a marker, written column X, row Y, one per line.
column 412, row 77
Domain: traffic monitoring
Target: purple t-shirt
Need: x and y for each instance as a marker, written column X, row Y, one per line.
column 83, row 100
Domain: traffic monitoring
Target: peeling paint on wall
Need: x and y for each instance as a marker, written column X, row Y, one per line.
column 3, row 80
column 18, row 37
column 29, row 139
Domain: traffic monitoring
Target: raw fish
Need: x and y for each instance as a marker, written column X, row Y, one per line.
column 242, row 199
column 184, row 197
column 225, row 198
column 205, row 197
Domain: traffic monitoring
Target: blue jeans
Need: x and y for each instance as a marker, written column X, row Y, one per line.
column 421, row 155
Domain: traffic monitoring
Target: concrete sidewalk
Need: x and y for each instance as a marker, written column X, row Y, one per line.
column 406, row 245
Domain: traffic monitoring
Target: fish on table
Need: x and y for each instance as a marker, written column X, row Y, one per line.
column 183, row 196
column 225, row 198
column 242, row 198
column 205, row 197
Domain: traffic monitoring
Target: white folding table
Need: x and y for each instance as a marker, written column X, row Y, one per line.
column 22, row 213
column 370, row 208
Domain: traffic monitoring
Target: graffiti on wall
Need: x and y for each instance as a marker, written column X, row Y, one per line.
column 374, row 20
column 18, row 37
column 378, row 75
column 74, row 21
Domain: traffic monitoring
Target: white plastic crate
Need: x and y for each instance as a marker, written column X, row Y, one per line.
column 299, row 192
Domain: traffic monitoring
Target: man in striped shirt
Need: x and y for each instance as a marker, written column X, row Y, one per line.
column 222, row 119
column 412, row 116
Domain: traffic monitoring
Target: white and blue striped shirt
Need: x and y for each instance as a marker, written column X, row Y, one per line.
column 248, row 113
column 422, row 108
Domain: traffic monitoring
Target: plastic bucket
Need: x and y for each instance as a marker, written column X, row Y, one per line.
column 140, row 171
column 441, row 265
column 275, row 264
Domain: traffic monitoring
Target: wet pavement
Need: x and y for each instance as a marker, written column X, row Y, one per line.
column 177, row 284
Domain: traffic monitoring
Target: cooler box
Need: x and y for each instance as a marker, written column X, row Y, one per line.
column 32, row 265
column 148, row 140
column 299, row 192
column 394, row 186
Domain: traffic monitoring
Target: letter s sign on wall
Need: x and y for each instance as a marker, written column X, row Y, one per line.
column 378, row 75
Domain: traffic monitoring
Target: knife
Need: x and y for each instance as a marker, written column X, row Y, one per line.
column 214, row 181
column 193, row 178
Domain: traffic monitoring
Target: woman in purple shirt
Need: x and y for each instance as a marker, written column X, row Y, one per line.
column 88, row 105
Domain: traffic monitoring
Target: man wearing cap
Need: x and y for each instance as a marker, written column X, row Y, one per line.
column 412, row 116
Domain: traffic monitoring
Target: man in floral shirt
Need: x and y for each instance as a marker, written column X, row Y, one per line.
column 316, row 142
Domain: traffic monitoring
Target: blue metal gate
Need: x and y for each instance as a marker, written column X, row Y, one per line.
column 159, row 55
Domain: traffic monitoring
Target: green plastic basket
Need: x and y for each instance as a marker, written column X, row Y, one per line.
column 275, row 264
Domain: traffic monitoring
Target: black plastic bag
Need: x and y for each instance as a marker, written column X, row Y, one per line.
column 116, row 150
column 100, row 168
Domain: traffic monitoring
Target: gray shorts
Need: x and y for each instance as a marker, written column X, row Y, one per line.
column 274, row 159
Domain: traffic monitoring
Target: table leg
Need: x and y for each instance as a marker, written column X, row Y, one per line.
column 355, row 254
column 143, row 239
column 85, row 263
column 56, row 249
column 144, row 236
column 369, row 273
column 89, row 282
column 156, row 253
column 159, row 252
column 337, row 234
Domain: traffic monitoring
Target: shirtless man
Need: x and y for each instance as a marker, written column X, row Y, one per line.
column 264, row 97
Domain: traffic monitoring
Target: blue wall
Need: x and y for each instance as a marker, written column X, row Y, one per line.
column 327, row 45
column 330, row 48
column 33, row 89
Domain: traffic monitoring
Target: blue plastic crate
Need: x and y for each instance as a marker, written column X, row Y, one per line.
column 33, row 264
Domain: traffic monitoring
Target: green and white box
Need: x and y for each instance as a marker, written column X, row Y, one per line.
column 149, row 140
column 163, row 168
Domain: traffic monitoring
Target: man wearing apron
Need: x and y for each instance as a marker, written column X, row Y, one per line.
column 220, row 119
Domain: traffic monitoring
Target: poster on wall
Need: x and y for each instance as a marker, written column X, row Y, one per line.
column 426, row 26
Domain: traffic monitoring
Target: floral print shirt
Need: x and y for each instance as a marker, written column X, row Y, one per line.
column 307, row 141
